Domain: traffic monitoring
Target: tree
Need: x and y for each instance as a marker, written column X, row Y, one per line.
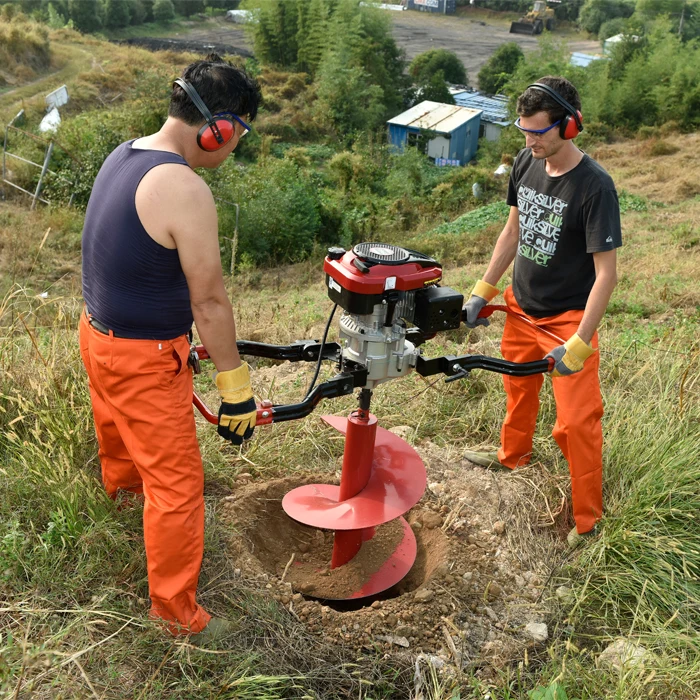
column 117, row 14
column 275, row 33
column 496, row 72
column 312, row 34
column 187, row 8
column 436, row 90
column 595, row 12
column 346, row 97
column 163, row 11
column 87, row 15
column 425, row 65
column 137, row 11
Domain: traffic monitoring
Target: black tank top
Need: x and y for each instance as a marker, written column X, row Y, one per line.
column 131, row 283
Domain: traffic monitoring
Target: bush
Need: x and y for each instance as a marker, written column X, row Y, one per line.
column 595, row 12
column 496, row 72
column 163, row 10
column 24, row 47
column 612, row 27
column 280, row 219
column 425, row 65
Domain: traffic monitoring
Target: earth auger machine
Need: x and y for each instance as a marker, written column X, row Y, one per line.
column 392, row 302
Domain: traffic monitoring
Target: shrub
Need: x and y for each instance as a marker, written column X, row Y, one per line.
column 163, row 10
column 425, row 65
column 280, row 219
column 496, row 72
column 595, row 12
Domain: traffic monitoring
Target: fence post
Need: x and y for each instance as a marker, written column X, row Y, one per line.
column 4, row 150
column 44, row 168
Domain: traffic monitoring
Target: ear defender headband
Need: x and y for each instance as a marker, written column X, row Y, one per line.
column 572, row 124
column 216, row 133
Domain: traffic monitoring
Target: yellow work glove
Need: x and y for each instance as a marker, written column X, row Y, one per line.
column 238, row 411
column 481, row 295
column 569, row 358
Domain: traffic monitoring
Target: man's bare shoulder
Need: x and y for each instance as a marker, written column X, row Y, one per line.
column 176, row 180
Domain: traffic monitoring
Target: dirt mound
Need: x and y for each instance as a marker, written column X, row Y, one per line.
column 477, row 581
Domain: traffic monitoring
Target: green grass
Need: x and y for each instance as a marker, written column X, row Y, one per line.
column 72, row 566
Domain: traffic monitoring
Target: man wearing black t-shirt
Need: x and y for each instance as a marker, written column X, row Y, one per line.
column 562, row 234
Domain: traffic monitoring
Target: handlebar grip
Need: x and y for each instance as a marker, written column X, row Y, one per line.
column 265, row 414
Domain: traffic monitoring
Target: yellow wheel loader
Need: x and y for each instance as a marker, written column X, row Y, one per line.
column 538, row 18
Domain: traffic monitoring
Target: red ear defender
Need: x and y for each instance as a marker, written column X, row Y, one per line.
column 569, row 128
column 207, row 136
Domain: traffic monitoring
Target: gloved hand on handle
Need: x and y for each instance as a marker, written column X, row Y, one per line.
column 482, row 294
column 569, row 358
column 238, row 411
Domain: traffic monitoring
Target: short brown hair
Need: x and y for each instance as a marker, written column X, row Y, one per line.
column 533, row 100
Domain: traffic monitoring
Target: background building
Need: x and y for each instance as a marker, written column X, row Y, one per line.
column 451, row 132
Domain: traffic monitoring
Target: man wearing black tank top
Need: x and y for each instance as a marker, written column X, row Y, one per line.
column 562, row 234
column 151, row 267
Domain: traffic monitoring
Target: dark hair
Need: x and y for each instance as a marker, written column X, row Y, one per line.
column 222, row 86
column 533, row 100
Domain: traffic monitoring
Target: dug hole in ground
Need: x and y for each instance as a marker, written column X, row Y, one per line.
column 487, row 544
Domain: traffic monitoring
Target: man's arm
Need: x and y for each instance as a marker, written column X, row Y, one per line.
column 605, row 281
column 194, row 228
column 505, row 249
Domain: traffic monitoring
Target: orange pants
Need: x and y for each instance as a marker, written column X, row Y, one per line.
column 141, row 393
column 577, row 430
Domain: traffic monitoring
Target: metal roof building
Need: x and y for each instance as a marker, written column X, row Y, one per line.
column 455, row 129
column 494, row 110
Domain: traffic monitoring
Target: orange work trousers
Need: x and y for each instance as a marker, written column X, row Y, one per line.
column 577, row 430
column 141, row 393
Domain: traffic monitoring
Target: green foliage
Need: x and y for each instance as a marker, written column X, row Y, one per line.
column 117, row 14
column 595, row 12
column 56, row 19
column 137, row 11
column 552, row 692
column 163, row 10
column 312, row 35
column 94, row 135
column 187, row 8
column 426, row 65
column 275, row 32
column 472, row 221
column 612, row 27
column 496, row 72
column 280, row 216
column 436, row 89
column 87, row 15
column 645, row 83
column 346, row 98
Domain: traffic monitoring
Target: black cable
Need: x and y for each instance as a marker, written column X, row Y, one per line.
column 320, row 352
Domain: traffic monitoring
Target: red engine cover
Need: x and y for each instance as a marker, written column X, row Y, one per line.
column 406, row 277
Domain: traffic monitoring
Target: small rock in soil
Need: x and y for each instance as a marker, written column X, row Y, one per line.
column 537, row 631
column 436, row 488
column 623, row 654
column 394, row 639
column 499, row 527
column 423, row 595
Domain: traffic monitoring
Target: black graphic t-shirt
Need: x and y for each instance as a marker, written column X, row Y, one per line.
column 563, row 220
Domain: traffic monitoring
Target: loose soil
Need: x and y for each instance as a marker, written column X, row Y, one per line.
column 483, row 560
